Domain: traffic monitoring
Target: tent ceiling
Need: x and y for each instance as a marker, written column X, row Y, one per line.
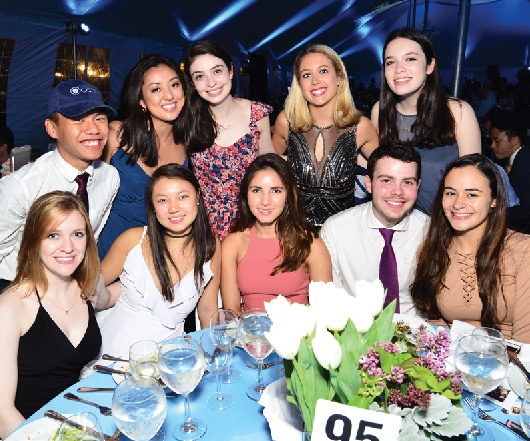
column 498, row 29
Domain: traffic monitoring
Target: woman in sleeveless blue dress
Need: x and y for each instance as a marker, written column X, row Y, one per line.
column 47, row 322
column 150, row 134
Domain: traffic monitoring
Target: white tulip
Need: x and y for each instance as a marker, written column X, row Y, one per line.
column 370, row 296
column 284, row 339
column 327, row 350
column 361, row 319
column 320, row 291
column 302, row 318
column 277, row 308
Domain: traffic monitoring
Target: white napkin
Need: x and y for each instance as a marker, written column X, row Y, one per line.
column 284, row 418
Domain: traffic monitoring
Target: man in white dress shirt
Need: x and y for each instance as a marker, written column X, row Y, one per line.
column 353, row 238
column 78, row 121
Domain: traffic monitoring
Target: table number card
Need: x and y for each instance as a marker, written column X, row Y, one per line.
column 339, row 422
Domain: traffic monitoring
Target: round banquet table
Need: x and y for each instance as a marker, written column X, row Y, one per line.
column 244, row 421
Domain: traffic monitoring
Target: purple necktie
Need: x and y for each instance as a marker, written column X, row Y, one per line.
column 388, row 268
column 82, row 180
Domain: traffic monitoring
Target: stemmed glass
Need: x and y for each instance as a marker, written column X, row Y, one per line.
column 82, row 426
column 223, row 327
column 216, row 358
column 139, row 408
column 484, row 403
column 483, row 362
column 144, row 353
column 525, row 413
column 181, row 366
column 253, row 324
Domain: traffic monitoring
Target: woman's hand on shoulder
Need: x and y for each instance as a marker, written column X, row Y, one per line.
column 280, row 135
column 319, row 262
column 113, row 140
column 467, row 130
column 367, row 137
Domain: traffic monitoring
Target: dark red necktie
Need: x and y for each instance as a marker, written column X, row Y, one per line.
column 388, row 268
column 82, row 193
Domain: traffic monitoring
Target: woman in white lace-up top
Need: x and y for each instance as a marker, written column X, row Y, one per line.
column 165, row 268
column 471, row 267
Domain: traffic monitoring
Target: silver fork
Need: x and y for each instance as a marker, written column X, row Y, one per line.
column 514, row 427
column 104, row 410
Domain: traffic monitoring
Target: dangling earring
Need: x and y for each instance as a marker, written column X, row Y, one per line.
column 144, row 109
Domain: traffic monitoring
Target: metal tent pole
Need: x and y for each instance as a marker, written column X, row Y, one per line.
column 463, row 26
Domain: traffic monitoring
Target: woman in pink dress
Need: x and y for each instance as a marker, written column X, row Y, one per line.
column 273, row 249
column 226, row 133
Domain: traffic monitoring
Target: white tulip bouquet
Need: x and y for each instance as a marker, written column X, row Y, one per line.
column 347, row 349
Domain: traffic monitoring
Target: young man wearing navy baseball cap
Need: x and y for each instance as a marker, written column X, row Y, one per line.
column 77, row 119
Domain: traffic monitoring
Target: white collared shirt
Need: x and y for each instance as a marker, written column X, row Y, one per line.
column 355, row 245
column 48, row 173
column 514, row 154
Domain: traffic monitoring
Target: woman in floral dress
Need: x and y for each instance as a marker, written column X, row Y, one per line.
column 226, row 133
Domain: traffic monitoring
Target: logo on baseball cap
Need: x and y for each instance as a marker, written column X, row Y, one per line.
column 72, row 98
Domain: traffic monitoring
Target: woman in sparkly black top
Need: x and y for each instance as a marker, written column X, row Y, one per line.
column 322, row 132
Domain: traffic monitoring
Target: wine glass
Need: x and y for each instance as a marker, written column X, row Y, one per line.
column 82, row 426
column 525, row 413
column 181, row 366
column 144, row 351
column 139, row 408
column 484, row 403
column 216, row 358
column 253, row 324
column 483, row 362
column 223, row 327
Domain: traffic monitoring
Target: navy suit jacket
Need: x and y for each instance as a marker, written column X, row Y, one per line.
column 520, row 175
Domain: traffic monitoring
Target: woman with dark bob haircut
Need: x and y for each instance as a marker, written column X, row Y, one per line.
column 48, row 327
column 165, row 268
column 149, row 133
column 471, row 267
column 272, row 249
column 413, row 107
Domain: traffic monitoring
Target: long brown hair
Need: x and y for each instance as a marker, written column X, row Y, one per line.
column 201, row 239
column 45, row 214
column 434, row 125
column 293, row 230
column 433, row 259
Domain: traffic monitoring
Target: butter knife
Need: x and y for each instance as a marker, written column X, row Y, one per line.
column 515, row 360
column 58, row 417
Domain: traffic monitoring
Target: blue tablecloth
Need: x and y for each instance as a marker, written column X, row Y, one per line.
column 241, row 422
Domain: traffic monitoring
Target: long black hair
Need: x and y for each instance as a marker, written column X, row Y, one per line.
column 434, row 125
column 137, row 134
column 201, row 238
column 202, row 128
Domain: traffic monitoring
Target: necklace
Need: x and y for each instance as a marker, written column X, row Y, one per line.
column 405, row 128
column 61, row 308
column 321, row 136
column 178, row 236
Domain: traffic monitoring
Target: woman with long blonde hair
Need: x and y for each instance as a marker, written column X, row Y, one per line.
column 322, row 132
